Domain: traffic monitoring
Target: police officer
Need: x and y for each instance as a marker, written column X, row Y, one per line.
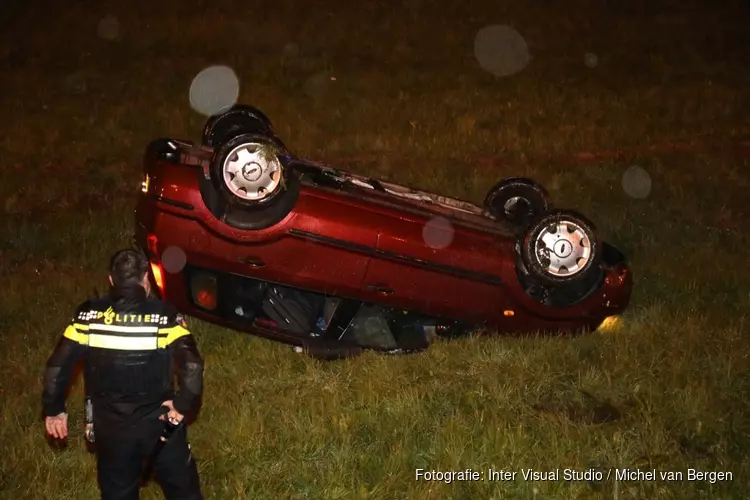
column 131, row 344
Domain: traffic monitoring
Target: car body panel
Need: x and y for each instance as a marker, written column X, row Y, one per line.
column 363, row 239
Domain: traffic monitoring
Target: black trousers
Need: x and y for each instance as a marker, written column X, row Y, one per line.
column 120, row 462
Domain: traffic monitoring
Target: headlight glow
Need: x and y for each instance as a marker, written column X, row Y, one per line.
column 609, row 324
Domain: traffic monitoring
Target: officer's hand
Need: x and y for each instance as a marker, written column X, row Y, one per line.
column 173, row 415
column 57, row 426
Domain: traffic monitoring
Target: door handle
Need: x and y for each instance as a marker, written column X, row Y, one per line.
column 381, row 289
column 252, row 261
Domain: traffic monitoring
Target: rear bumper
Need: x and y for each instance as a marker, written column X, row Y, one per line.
column 618, row 282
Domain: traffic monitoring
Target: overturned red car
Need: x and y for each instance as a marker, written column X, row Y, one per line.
column 300, row 252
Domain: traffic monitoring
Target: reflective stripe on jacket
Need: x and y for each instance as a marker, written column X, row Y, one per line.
column 131, row 353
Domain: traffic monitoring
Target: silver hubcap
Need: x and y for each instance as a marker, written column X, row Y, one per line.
column 563, row 248
column 251, row 173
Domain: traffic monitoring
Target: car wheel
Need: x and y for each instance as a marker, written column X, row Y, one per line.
column 250, row 170
column 237, row 120
column 517, row 200
column 561, row 248
column 254, row 220
column 559, row 295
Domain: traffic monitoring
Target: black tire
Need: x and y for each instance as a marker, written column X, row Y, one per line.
column 276, row 152
column 535, row 252
column 237, row 120
column 517, row 200
column 558, row 295
column 262, row 218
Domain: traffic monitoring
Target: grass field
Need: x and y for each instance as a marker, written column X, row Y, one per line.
column 667, row 390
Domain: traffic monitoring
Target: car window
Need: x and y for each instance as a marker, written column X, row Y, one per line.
column 369, row 328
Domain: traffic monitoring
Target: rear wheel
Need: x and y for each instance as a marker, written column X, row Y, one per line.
column 561, row 248
column 517, row 200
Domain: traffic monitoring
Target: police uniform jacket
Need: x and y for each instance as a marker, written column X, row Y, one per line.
column 131, row 346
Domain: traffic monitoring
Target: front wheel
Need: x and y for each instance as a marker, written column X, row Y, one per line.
column 237, row 120
column 250, row 170
column 561, row 248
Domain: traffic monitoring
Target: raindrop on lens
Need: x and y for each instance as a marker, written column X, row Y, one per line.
column 438, row 233
column 75, row 83
column 109, row 28
column 173, row 259
column 590, row 60
column 290, row 51
column 636, row 182
column 317, row 85
column 501, row 50
column 214, row 89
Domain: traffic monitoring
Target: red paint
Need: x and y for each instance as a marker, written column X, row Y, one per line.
column 373, row 221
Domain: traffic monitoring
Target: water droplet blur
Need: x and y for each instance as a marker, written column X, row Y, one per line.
column 109, row 28
column 438, row 233
column 317, row 85
column 214, row 89
column 501, row 50
column 591, row 60
column 173, row 259
column 636, row 182
column 290, row 51
column 75, row 83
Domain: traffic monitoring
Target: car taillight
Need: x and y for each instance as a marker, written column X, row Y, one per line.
column 157, row 271
column 204, row 290
column 206, row 300
column 152, row 243
column 158, row 274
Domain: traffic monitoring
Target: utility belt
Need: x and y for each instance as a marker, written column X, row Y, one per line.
column 170, row 429
column 89, row 429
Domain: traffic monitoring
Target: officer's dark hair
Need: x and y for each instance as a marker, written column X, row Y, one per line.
column 128, row 268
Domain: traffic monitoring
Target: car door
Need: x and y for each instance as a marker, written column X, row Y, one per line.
column 433, row 274
column 326, row 247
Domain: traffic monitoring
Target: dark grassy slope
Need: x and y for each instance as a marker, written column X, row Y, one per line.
column 667, row 390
